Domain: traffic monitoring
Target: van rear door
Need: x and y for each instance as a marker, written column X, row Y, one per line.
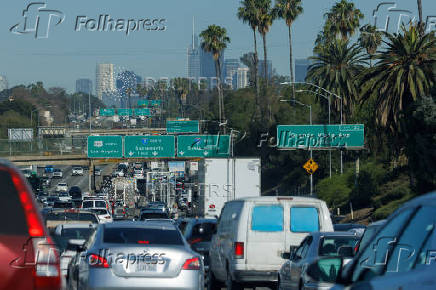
column 265, row 236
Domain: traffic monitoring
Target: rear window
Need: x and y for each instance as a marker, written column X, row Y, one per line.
column 87, row 204
column 62, row 204
column 142, row 236
column 304, row 219
column 71, row 216
column 100, row 211
column 330, row 246
column 203, row 231
column 267, row 218
column 100, row 203
column 153, row 215
column 12, row 218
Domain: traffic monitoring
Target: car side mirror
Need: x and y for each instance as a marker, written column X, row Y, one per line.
column 77, row 245
column 286, row 256
column 325, row 270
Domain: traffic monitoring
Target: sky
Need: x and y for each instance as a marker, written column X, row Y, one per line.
column 66, row 54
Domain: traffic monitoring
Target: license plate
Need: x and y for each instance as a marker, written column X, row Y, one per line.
column 143, row 267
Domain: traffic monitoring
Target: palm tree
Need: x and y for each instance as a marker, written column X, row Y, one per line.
column 266, row 18
column 403, row 74
column 343, row 19
column 248, row 13
column 214, row 40
column 336, row 68
column 370, row 39
column 289, row 10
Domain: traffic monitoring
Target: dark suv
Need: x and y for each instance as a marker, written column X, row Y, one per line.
column 29, row 258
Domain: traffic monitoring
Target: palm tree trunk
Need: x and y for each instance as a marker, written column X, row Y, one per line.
column 220, row 92
column 256, row 75
column 218, row 88
column 421, row 21
column 265, row 66
column 291, row 62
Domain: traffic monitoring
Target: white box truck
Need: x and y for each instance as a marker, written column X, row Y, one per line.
column 225, row 179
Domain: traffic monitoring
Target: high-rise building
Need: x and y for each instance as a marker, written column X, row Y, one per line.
column 242, row 77
column 3, row 83
column 301, row 69
column 194, row 68
column 261, row 68
column 105, row 82
column 84, row 86
column 231, row 72
column 127, row 82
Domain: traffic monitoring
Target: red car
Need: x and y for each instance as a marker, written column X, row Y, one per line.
column 28, row 256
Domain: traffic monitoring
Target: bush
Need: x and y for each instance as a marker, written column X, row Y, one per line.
column 384, row 211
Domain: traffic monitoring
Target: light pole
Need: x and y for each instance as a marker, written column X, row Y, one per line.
column 329, row 103
column 310, row 148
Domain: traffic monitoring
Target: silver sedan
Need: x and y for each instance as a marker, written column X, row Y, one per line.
column 292, row 274
column 139, row 255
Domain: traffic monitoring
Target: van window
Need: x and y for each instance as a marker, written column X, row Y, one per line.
column 267, row 218
column 304, row 219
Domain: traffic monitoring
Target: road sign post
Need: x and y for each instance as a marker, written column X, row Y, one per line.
column 149, row 146
column 203, row 146
column 105, row 146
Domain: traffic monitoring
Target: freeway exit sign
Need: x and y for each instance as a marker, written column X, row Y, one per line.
column 320, row 136
column 203, row 146
column 107, row 112
column 142, row 112
column 149, row 146
column 125, row 112
column 183, row 126
column 105, row 146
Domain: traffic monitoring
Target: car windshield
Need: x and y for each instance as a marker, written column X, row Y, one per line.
column 62, row 184
column 142, row 236
column 331, row 246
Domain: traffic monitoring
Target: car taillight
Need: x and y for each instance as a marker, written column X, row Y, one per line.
column 211, row 206
column 239, row 250
column 192, row 264
column 97, row 261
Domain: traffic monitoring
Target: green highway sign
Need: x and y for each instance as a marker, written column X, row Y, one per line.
column 149, row 146
column 125, row 112
column 183, row 126
column 105, row 146
column 320, row 136
column 203, row 146
column 142, row 112
column 155, row 102
column 142, row 103
column 107, row 112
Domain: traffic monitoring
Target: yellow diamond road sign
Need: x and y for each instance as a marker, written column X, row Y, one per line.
column 311, row 166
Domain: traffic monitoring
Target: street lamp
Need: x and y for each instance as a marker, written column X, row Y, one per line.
column 329, row 101
column 310, row 148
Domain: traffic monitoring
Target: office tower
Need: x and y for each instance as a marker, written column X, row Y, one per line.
column 3, row 83
column 261, row 69
column 104, row 79
column 84, row 86
column 242, row 77
column 194, row 68
column 231, row 72
column 126, row 83
column 301, row 69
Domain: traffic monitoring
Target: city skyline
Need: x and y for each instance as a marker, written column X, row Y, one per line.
column 160, row 54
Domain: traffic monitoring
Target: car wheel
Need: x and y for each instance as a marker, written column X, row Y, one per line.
column 232, row 285
column 212, row 282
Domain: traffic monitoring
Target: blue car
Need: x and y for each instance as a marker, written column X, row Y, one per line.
column 48, row 169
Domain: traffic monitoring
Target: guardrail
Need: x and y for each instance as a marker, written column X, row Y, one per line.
column 44, row 147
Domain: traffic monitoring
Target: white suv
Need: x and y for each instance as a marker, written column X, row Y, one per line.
column 77, row 171
column 62, row 187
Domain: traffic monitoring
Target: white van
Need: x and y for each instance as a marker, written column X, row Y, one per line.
column 253, row 233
